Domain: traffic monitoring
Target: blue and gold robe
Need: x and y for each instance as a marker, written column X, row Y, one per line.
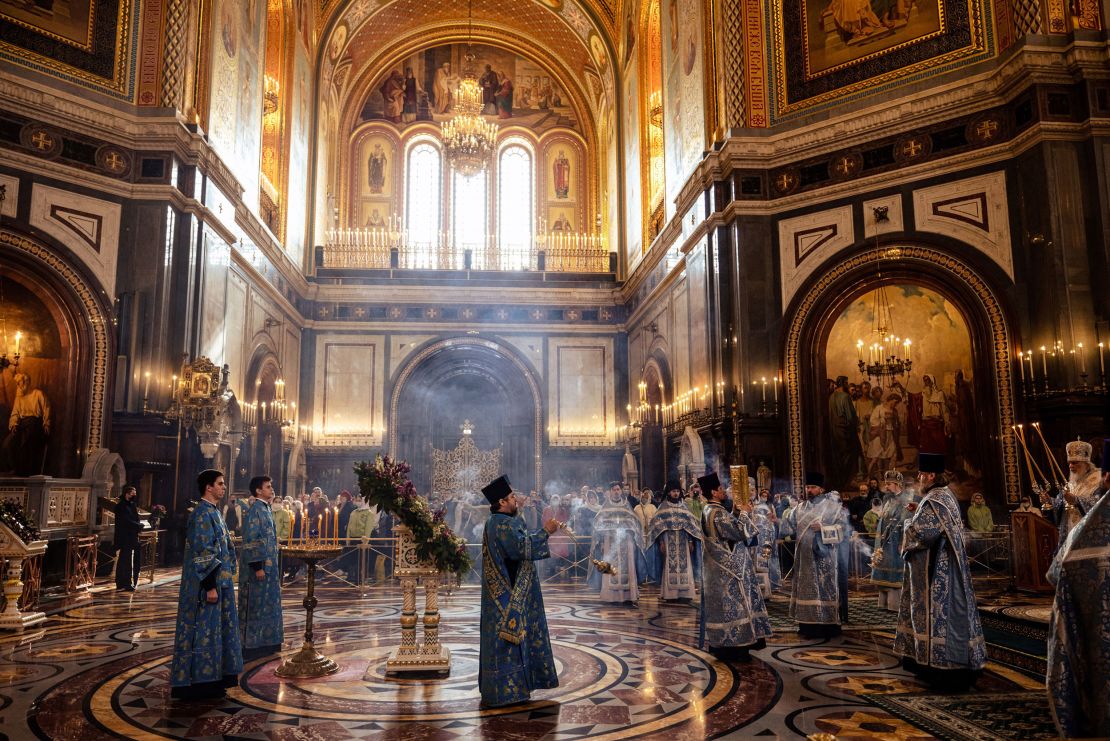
column 260, row 619
column 819, row 590
column 206, row 644
column 1079, row 630
column 673, row 530
column 515, row 653
column 887, row 567
column 938, row 621
column 733, row 611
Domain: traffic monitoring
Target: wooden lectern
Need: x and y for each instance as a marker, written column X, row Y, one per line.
column 1034, row 542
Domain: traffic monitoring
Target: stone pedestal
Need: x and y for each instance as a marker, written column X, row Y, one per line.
column 427, row 655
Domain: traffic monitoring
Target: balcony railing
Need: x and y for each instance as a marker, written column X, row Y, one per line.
column 395, row 249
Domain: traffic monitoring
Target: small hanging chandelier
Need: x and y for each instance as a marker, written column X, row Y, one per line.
column 468, row 139
column 888, row 356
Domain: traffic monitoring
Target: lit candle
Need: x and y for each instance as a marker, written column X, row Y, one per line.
column 1021, row 365
column 1044, row 366
column 146, row 384
column 776, row 388
column 319, row 524
column 1082, row 360
column 335, row 526
column 764, row 390
column 18, row 338
column 859, row 349
column 908, row 345
column 1101, row 363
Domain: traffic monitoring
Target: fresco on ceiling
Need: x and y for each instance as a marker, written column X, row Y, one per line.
column 235, row 118
column 515, row 90
column 933, row 409
column 849, row 46
column 82, row 39
column 842, row 31
column 684, row 94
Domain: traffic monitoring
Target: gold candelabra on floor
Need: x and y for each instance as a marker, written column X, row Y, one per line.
column 308, row 662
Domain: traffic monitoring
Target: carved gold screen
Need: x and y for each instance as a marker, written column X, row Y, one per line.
column 464, row 470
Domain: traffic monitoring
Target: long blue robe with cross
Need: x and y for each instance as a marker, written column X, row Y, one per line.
column 206, row 646
column 260, row 618
column 515, row 656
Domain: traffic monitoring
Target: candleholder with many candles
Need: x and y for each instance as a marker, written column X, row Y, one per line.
column 307, row 662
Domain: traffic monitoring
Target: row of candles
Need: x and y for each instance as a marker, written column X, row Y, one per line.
column 326, row 532
column 884, row 350
column 1060, row 361
column 699, row 399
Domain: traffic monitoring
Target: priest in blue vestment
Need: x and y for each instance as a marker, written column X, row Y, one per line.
column 1079, row 629
column 886, row 561
column 207, row 654
column 515, row 651
column 938, row 637
column 677, row 535
column 734, row 616
column 260, row 619
column 819, row 590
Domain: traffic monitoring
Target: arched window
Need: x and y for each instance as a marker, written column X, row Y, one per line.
column 423, row 196
column 469, row 208
column 514, row 207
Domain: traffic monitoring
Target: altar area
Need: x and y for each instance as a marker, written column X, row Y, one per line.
column 98, row 672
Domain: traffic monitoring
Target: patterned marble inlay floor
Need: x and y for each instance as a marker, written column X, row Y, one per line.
column 100, row 672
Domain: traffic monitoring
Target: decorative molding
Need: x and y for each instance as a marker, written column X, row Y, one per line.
column 88, row 226
column 973, row 210
column 1000, row 349
column 806, row 241
column 894, row 220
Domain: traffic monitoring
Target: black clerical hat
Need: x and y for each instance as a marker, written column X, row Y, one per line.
column 709, row 482
column 930, row 462
column 671, row 486
column 497, row 490
column 815, row 478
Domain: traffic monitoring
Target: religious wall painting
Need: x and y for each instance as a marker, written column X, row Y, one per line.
column 377, row 160
column 87, row 41
column 561, row 220
column 235, row 98
column 300, row 135
column 422, row 88
column 839, row 32
column 850, row 46
column 338, row 41
column 683, row 94
column 633, row 207
column 931, row 409
column 35, row 396
column 562, row 171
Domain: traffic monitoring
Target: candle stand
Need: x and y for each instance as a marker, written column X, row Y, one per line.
column 308, row 662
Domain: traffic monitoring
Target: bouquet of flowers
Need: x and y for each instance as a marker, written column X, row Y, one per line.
column 385, row 484
column 12, row 515
column 158, row 511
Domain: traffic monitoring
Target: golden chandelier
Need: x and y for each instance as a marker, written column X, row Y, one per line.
column 468, row 139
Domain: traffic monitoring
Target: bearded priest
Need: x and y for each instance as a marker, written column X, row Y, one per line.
column 1082, row 490
column 515, row 651
column 678, row 534
column 939, row 637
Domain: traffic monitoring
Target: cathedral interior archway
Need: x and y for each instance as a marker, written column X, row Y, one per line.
column 450, row 385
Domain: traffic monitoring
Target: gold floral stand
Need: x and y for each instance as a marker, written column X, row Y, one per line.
column 429, row 655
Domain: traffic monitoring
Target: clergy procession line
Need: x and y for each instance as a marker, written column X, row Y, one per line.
column 919, row 565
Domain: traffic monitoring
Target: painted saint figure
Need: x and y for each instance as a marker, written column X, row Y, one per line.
column 413, row 94
column 819, row 590
column 1078, row 641
column 260, row 619
column 375, row 167
column 207, row 654
column 504, row 98
column 28, row 428
column 618, row 540
column 886, row 562
column 490, row 85
column 393, row 93
column 515, row 651
column 444, row 88
column 938, row 637
column 560, row 171
column 678, row 536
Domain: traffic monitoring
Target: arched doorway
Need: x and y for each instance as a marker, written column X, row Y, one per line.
column 653, row 458
column 951, row 292
column 463, row 380
column 64, row 346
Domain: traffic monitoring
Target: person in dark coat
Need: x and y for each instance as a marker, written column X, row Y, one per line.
column 128, row 527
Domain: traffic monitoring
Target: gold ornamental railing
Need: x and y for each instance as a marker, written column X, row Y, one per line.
column 396, row 249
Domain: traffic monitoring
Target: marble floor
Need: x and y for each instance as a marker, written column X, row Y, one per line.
column 99, row 671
